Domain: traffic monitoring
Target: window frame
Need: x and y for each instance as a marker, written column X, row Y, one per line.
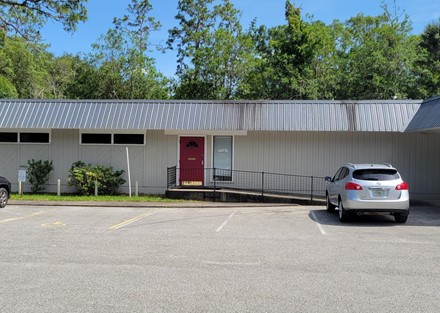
column 27, row 131
column 112, row 137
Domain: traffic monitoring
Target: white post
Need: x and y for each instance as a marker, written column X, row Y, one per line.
column 96, row 188
column 20, row 188
column 137, row 189
column 128, row 172
column 59, row 187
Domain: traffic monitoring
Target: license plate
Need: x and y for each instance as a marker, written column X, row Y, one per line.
column 379, row 192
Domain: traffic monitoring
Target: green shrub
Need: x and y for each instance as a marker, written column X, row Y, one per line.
column 38, row 174
column 83, row 176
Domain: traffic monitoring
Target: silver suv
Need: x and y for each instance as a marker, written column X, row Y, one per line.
column 362, row 188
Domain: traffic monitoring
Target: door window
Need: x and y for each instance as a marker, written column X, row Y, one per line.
column 223, row 158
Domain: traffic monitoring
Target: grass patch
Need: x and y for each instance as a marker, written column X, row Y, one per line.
column 116, row 198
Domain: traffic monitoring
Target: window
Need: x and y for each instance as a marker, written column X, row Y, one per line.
column 344, row 173
column 108, row 139
column 96, row 138
column 223, row 158
column 338, row 173
column 128, row 139
column 8, row 137
column 376, row 174
column 34, row 137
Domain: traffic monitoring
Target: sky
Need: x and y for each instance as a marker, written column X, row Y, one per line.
column 267, row 12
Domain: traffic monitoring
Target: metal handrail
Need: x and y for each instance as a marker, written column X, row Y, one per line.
column 262, row 182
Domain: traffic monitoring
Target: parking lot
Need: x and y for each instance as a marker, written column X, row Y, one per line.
column 216, row 259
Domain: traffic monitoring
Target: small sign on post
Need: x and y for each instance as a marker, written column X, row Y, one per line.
column 21, row 179
column 22, row 175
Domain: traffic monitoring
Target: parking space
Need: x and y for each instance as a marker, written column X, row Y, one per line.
column 216, row 259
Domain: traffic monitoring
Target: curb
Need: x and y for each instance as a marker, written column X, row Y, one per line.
column 147, row 204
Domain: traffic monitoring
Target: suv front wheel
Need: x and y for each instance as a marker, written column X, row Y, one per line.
column 329, row 206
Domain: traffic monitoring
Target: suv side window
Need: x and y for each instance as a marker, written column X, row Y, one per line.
column 338, row 173
column 344, row 173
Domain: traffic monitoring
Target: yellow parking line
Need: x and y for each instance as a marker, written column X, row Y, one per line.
column 132, row 220
column 19, row 218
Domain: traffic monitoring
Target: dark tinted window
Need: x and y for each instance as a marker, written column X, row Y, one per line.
column 34, row 137
column 344, row 173
column 376, row 174
column 129, row 139
column 8, row 137
column 96, row 138
column 336, row 177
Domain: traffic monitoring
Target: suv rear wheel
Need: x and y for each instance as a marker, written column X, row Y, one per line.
column 401, row 217
column 4, row 196
column 341, row 212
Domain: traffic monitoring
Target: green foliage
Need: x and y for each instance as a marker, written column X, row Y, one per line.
column 25, row 18
column 84, row 176
column 123, row 67
column 364, row 57
column 214, row 54
column 377, row 56
column 429, row 62
column 38, row 174
column 7, row 88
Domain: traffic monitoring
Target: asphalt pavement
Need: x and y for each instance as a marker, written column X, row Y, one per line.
column 207, row 258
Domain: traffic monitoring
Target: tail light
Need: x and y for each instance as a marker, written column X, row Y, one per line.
column 352, row 186
column 402, row 186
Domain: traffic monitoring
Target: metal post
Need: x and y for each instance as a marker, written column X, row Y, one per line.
column 96, row 188
column 311, row 190
column 262, row 185
column 59, row 187
column 128, row 172
column 215, row 178
column 137, row 189
column 215, row 185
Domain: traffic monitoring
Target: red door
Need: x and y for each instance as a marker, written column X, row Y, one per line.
column 192, row 155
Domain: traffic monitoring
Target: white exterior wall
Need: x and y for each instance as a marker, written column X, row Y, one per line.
column 148, row 163
column 318, row 154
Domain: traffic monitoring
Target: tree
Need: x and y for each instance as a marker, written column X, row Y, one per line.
column 122, row 56
column 85, row 80
column 213, row 52
column 429, row 64
column 285, row 54
column 7, row 88
column 377, row 55
column 230, row 55
column 25, row 66
column 192, row 38
column 26, row 17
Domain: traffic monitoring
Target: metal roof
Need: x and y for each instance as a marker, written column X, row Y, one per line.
column 295, row 115
column 427, row 117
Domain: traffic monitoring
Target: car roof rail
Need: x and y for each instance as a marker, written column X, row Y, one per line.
column 351, row 164
column 387, row 164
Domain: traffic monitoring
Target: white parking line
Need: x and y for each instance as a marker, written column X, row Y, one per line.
column 226, row 221
column 315, row 218
column 19, row 218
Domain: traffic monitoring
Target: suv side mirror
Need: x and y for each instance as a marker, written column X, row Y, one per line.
column 328, row 179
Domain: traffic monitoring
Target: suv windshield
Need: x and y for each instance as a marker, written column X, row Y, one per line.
column 376, row 174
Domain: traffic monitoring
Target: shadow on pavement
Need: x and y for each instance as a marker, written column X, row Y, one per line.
column 418, row 216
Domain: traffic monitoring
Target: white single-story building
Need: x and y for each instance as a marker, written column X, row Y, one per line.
column 310, row 138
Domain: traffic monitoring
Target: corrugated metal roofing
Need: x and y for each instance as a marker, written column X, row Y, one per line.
column 377, row 115
column 427, row 117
